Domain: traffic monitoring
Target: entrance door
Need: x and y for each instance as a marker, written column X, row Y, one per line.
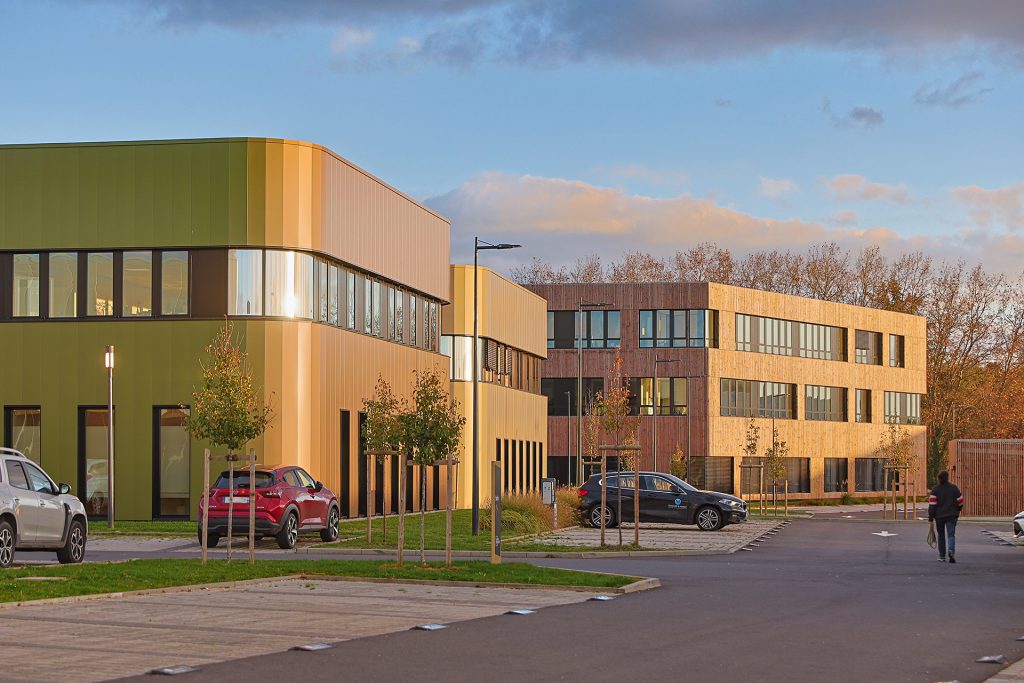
column 344, row 473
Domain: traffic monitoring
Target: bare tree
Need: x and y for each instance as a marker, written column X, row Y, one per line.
column 705, row 262
column 637, row 266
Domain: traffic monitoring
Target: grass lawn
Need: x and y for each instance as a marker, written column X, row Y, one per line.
column 98, row 527
column 86, row 579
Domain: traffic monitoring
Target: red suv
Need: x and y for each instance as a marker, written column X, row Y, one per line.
column 288, row 501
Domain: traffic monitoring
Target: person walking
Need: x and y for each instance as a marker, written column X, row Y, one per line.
column 944, row 506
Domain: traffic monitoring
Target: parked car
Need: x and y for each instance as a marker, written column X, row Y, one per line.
column 663, row 498
column 36, row 514
column 1018, row 525
column 288, row 502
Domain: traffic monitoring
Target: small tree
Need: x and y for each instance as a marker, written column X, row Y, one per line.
column 677, row 468
column 752, row 447
column 612, row 410
column 229, row 410
column 896, row 448
column 775, row 460
column 382, row 433
column 434, row 432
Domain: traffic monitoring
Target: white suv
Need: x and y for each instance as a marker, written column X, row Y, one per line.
column 36, row 514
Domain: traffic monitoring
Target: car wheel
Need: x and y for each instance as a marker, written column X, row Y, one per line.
column 6, row 544
column 212, row 539
column 709, row 519
column 73, row 551
column 330, row 532
column 288, row 536
column 595, row 517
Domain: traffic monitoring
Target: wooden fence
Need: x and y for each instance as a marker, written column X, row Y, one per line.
column 990, row 473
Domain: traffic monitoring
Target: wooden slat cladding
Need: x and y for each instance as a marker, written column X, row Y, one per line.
column 990, row 473
column 304, row 196
column 509, row 313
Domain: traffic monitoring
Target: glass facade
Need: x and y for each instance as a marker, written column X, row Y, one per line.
column 863, row 409
column 173, row 450
column 753, row 398
column 502, row 365
column 671, row 396
column 92, row 449
column 868, row 347
column 664, row 328
column 99, row 284
column 601, row 329
column 174, row 283
column 836, row 475
column 789, row 338
column 902, row 408
column 289, row 285
column 63, row 284
column 825, row 403
column 896, row 347
column 245, row 282
column 22, row 431
column 561, row 393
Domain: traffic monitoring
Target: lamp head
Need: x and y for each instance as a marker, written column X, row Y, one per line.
column 108, row 358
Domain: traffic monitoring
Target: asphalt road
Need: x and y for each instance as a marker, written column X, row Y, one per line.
column 821, row 601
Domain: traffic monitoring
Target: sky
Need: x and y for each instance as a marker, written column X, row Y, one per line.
column 578, row 126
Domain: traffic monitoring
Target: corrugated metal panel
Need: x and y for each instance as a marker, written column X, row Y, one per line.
column 990, row 473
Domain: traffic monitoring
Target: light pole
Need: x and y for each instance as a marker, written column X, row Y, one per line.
column 478, row 246
column 568, row 438
column 579, row 383
column 108, row 362
column 657, row 408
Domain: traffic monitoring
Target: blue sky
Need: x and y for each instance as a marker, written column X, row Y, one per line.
column 577, row 126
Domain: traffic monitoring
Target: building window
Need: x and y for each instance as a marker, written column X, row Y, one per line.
column 323, row 291
column 671, row 396
column 23, row 431
column 825, row 403
column 863, row 400
column 26, row 286
column 63, row 284
column 172, row 449
column 789, row 338
column 400, row 316
column 99, row 284
column 836, row 475
column 392, row 314
column 367, row 290
column 556, row 388
column 289, row 285
column 174, row 283
column 137, row 284
column 798, row 475
column 245, row 282
column 678, row 328
column 350, row 312
column 752, row 398
column 902, row 408
column 896, row 345
column 333, row 296
column 711, row 473
column 413, row 336
column 869, row 474
column 601, row 329
column 92, row 460
column 375, row 309
column 868, row 347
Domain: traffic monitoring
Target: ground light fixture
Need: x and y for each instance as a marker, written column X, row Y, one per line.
column 108, row 363
column 579, row 383
column 478, row 246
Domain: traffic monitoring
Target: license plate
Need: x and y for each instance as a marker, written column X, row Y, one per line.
column 236, row 499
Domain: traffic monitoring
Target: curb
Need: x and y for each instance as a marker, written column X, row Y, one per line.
column 522, row 554
column 1011, row 674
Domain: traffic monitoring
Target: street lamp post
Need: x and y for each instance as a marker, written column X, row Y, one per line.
column 108, row 362
column 478, row 246
column 579, row 383
column 568, row 438
column 657, row 408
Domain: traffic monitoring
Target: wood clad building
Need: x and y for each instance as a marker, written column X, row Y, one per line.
column 990, row 473
column 830, row 377
column 331, row 277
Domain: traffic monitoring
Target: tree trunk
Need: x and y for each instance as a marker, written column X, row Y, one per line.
column 252, row 506
column 604, row 494
column 636, row 501
column 231, row 500
column 448, row 516
column 618, row 492
column 369, row 500
column 423, row 512
column 401, row 510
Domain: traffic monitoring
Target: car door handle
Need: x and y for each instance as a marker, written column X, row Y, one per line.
column 42, row 504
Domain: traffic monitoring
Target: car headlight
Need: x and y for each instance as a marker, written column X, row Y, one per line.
column 729, row 502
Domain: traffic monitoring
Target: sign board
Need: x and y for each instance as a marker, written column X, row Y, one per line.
column 547, row 490
column 496, row 486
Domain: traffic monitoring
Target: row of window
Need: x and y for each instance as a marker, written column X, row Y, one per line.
column 502, row 364
column 78, row 284
column 171, row 455
column 293, row 284
column 594, row 329
column 672, row 395
column 754, row 398
column 789, row 338
column 678, row 328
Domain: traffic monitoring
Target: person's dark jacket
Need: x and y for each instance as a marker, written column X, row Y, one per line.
column 945, row 501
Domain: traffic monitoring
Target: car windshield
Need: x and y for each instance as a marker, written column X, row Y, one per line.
column 680, row 483
column 263, row 480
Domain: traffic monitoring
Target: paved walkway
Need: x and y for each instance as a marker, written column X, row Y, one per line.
column 667, row 537
column 111, row 638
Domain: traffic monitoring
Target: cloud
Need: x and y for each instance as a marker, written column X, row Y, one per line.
column 1002, row 206
column 775, row 189
column 651, row 176
column 862, row 117
column 843, row 218
column 348, row 39
column 640, row 31
column 850, row 187
column 956, row 94
column 723, row 102
column 558, row 220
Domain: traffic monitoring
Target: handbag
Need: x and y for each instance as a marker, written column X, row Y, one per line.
column 931, row 534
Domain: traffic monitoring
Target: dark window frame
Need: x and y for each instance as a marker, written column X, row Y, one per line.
column 8, row 415
column 156, row 466
column 813, row 411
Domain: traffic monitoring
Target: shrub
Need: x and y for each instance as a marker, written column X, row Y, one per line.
column 526, row 513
